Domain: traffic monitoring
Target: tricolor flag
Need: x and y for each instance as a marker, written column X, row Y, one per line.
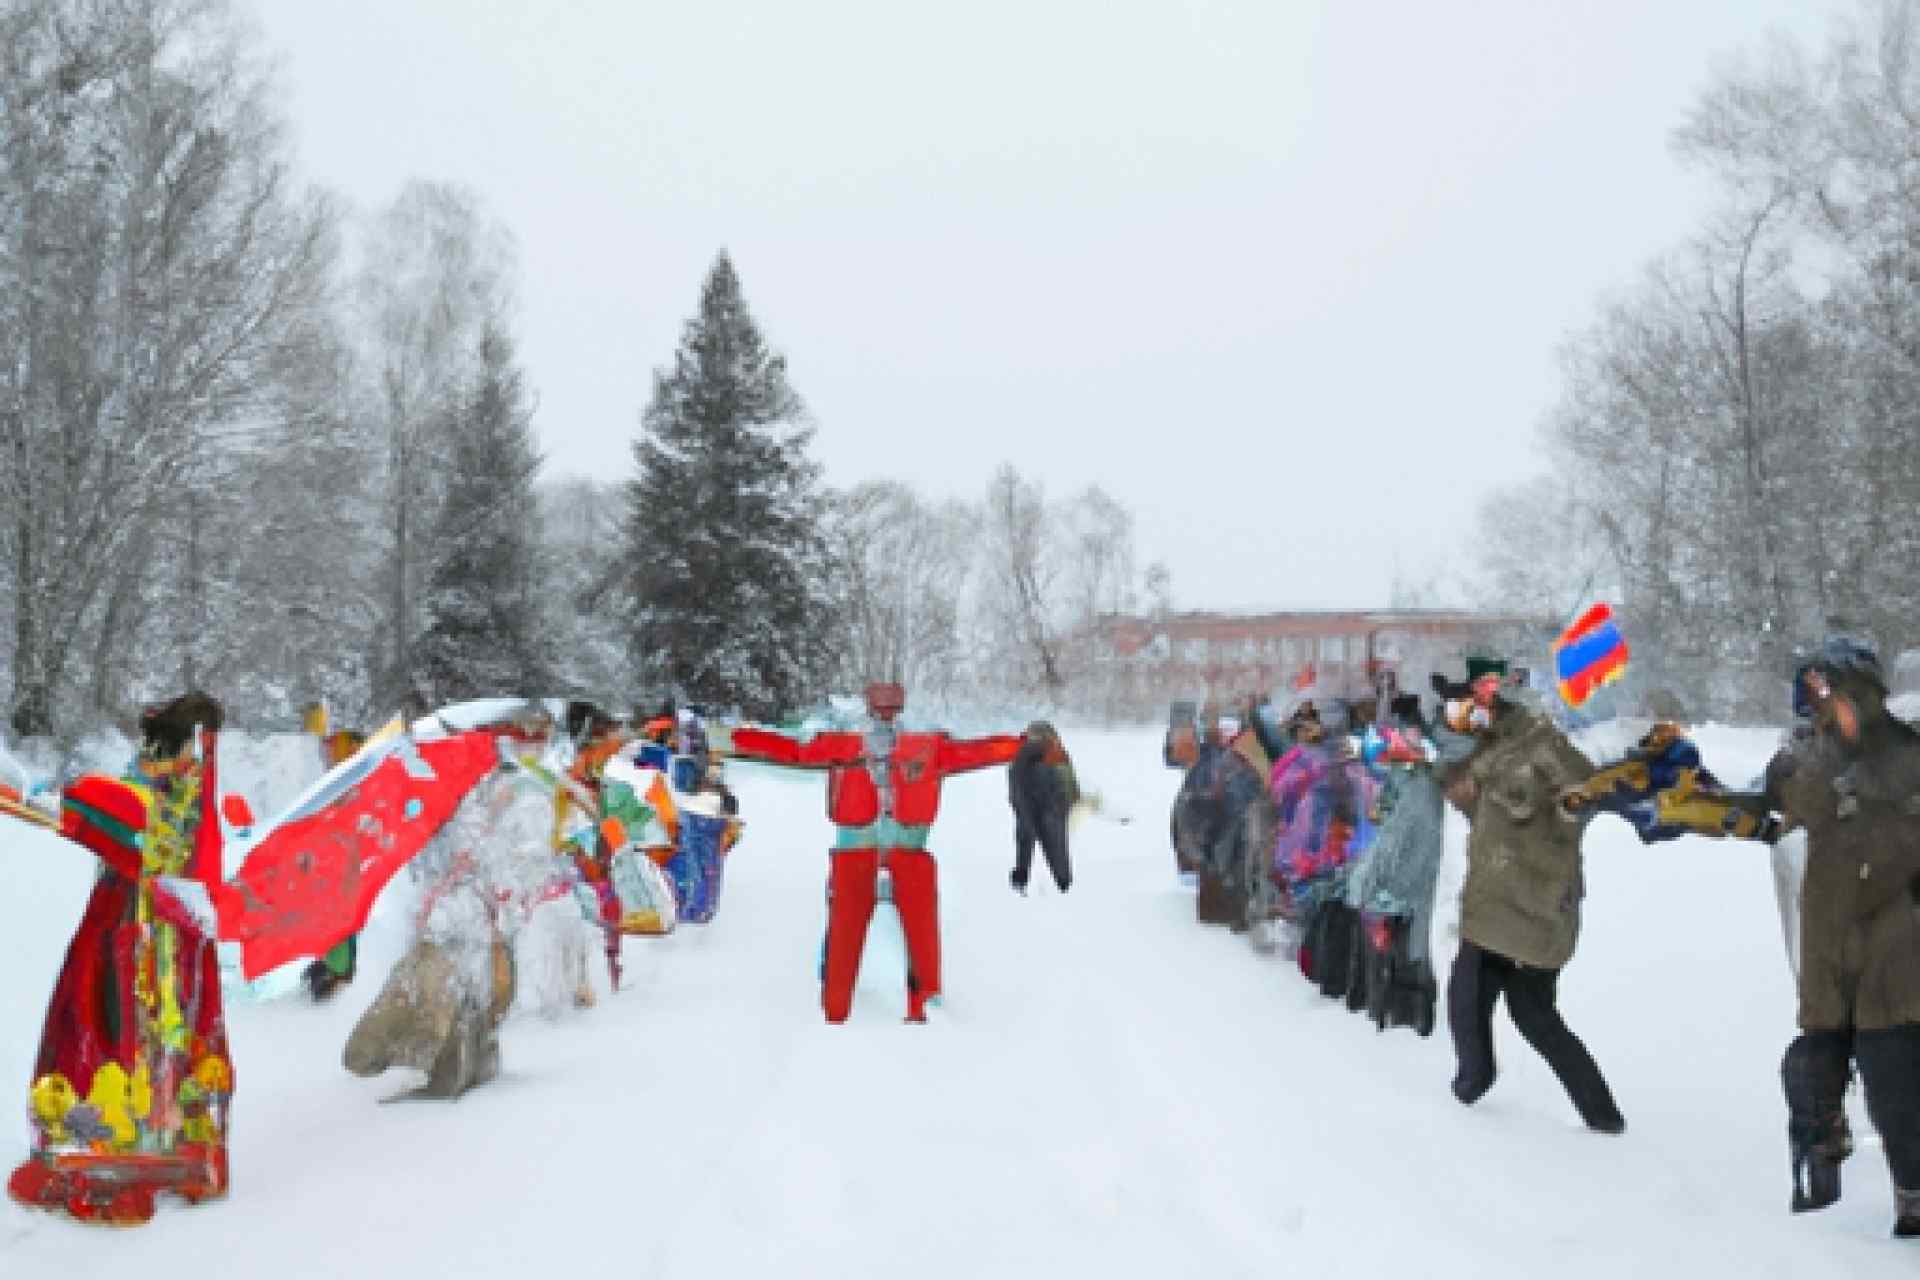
column 1588, row 654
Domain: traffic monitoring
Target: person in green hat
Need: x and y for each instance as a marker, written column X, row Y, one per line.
column 1520, row 906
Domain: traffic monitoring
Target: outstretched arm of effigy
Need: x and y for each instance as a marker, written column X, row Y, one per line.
column 818, row 752
column 962, row 755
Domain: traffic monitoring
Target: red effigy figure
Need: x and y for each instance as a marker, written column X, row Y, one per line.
column 883, row 793
column 133, row 1080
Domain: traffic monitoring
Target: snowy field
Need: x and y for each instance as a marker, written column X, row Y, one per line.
column 1111, row 1090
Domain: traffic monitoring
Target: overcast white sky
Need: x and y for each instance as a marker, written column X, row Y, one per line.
column 1285, row 278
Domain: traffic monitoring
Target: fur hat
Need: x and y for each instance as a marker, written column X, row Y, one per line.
column 167, row 727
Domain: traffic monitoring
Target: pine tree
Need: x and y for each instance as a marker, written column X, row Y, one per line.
column 482, row 608
column 723, row 520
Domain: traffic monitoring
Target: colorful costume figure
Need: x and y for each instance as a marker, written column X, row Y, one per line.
column 133, row 1081
column 589, row 849
column 1392, row 885
column 883, row 793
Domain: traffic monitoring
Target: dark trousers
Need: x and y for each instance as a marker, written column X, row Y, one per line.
column 1479, row 979
column 1890, row 1077
column 1050, row 829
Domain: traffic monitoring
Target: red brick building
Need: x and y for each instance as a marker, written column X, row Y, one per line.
column 1330, row 654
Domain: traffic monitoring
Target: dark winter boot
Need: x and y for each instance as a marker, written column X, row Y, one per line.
column 1360, row 966
column 1019, row 885
column 1381, row 968
column 1906, row 1209
column 1333, row 955
column 320, row 980
column 1814, row 1074
column 1816, row 1178
column 1425, row 997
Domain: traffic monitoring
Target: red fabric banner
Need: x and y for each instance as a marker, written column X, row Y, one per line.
column 315, row 876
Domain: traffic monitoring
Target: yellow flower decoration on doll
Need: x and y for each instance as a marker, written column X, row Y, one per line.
column 52, row 1097
column 213, row 1074
column 111, row 1096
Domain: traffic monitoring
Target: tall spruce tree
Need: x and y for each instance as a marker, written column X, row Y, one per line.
column 482, row 609
column 724, row 520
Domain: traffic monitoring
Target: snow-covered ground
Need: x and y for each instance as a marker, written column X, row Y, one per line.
column 1111, row 1090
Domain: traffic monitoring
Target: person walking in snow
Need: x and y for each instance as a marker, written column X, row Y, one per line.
column 1851, row 778
column 1520, row 906
column 1042, row 789
column 883, row 793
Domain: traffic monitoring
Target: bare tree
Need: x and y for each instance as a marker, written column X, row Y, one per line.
column 901, row 567
column 432, row 275
column 1022, row 585
column 153, row 258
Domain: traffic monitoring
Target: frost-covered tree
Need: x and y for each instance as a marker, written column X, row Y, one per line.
column 154, row 257
column 901, row 566
column 724, row 545
column 482, row 607
column 434, row 271
column 582, row 562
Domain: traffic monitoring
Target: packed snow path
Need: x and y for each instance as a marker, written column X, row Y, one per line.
column 1111, row 1090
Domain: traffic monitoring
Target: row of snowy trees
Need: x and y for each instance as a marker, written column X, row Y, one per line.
column 1736, row 455
column 258, row 443
column 252, row 443
column 726, row 573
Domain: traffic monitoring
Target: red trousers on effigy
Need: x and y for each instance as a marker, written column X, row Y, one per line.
column 851, row 896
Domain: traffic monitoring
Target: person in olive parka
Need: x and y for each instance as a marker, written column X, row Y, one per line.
column 1520, row 906
column 1042, row 789
column 1851, row 778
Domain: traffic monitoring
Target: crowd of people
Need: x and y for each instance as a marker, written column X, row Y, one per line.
column 1320, row 830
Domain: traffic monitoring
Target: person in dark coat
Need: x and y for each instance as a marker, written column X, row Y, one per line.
column 1851, row 777
column 1520, row 906
column 1042, row 789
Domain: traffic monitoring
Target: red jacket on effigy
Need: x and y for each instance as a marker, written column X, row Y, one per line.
column 919, row 762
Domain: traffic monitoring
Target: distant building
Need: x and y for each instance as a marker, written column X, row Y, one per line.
column 1325, row 654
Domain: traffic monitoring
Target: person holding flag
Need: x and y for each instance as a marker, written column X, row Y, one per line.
column 1520, row 906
